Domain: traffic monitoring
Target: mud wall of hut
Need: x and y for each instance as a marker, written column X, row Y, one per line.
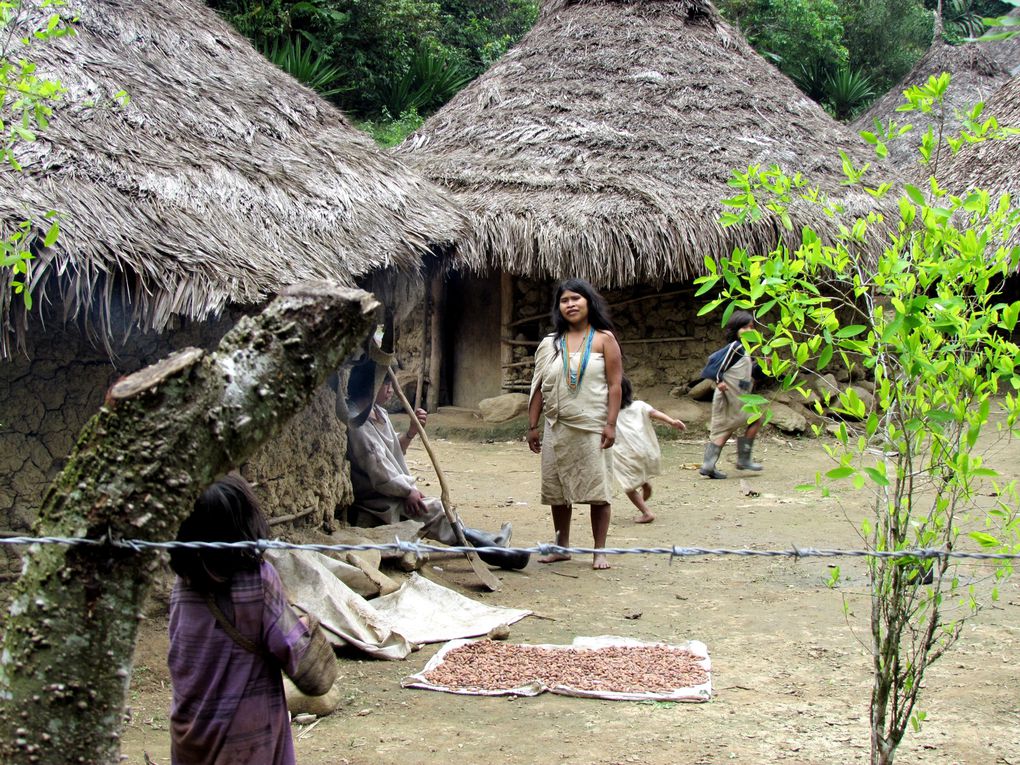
column 47, row 396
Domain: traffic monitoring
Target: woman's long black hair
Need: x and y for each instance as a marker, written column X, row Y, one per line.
column 598, row 310
column 227, row 511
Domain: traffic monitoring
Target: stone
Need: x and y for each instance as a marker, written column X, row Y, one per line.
column 503, row 408
column 679, row 391
column 786, row 419
column 826, row 387
column 702, row 391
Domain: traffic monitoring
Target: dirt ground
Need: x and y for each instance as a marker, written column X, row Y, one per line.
column 790, row 668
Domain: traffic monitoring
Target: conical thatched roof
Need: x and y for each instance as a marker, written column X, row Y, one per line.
column 975, row 76
column 992, row 165
column 601, row 145
column 222, row 180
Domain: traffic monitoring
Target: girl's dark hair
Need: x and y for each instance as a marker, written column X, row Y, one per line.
column 227, row 511
column 738, row 320
column 626, row 392
column 598, row 311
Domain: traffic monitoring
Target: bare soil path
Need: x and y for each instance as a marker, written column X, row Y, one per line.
column 790, row 667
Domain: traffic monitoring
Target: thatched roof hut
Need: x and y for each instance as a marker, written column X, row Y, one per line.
column 992, row 165
column 222, row 179
column 601, row 145
column 976, row 74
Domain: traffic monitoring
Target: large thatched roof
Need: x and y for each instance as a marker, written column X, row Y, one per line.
column 600, row 146
column 222, row 179
column 992, row 165
column 975, row 76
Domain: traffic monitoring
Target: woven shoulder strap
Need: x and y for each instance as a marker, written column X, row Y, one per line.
column 231, row 630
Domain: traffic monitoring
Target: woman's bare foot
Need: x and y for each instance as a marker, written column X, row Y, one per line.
column 599, row 562
column 645, row 518
column 646, row 494
column 554, row 558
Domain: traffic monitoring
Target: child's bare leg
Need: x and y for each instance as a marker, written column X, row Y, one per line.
column 600, row 515
column 646, row 515
column 646, row 491
column 561, row 525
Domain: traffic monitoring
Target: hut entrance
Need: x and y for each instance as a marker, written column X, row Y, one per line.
column 472, row 369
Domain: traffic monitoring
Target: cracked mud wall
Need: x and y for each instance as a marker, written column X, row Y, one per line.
column 47, row 396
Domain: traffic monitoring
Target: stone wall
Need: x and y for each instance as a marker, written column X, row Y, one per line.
column 47, row 396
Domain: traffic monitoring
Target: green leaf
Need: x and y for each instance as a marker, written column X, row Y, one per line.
column 987, row 541
column 877, row 476
column 52, row 234
column 840, row 472
column 851, row 331
column 824, row 357
column 915, row 195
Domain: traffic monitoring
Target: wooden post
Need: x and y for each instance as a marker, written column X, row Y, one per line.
column 435, row 343
column 426, row 328
column 506, row 315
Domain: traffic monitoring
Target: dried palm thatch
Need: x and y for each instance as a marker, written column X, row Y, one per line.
column 992, row 165
column 601, row 145
column 975, row 76
column 221, row 180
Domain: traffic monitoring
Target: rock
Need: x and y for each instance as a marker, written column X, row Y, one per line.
column 867, row 385
column 679, row 391
column 319, row 706
column 786, row 419
column 702, row 391
column 692, row 413
column 499, row 632
column 503, row 408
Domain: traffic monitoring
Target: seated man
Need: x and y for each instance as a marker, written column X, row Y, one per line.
column 384, row 489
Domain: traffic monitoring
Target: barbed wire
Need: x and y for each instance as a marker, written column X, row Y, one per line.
column 419, row 548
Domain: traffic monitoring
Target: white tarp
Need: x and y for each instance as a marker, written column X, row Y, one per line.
column 701, row 692
column 425, row 612
column 389, row 627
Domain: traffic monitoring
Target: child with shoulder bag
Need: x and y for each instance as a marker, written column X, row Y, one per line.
column 732, row 370
column 232, row 631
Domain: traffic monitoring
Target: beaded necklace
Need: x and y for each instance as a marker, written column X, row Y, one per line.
column 572, row 378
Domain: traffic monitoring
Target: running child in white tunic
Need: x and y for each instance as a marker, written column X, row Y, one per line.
column 637, row 456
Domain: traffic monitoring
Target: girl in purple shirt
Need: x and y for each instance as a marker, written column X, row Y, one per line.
column 228, row 700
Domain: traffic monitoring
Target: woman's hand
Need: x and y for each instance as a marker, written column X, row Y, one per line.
column 608, row 436
column 721, row 386
column 534, row 441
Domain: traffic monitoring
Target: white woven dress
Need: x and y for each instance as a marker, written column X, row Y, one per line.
column 636, row 453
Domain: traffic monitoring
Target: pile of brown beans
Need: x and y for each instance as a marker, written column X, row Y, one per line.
column 490, row 665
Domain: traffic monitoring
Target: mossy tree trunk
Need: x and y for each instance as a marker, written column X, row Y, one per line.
column 161, row 437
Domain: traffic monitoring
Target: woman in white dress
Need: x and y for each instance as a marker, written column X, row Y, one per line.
column 576, row 386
